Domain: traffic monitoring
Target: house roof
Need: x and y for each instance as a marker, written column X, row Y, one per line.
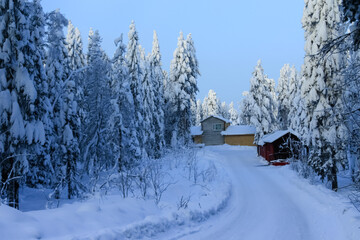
column 218, row 117
column 195, row 131
column 272, row 137
column 239, row 130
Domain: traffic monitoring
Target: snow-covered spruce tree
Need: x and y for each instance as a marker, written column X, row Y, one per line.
column 97, row 152
column 122, row 135
column 297, row 111
column 224, row 110
column 135, row 77
column 245, row 113
column 194, row 67
column 157, row 76
column 321, row 90
column 180, row 90
column 147, row 104
column 211, row 105
column 199, row 115
column 40, row 167
column 283, row 107
column 21, row 112
column 193, row 112
column 261, row 103
column 233, row 114
column 65, row 117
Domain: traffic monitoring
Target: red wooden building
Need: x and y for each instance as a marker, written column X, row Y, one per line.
column 277, row 145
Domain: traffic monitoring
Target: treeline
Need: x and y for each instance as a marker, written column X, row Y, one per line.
column 321, row 103
column 69, row 118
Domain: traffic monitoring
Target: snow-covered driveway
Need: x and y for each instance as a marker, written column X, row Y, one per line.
column 272, row 203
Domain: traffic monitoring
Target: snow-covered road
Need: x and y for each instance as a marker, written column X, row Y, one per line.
column 272, row 203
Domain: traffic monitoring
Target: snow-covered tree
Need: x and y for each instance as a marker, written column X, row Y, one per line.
column 211, row 105
column 297, row 111
column 194, row 67
column 233, row 114
column 224, row 110
column 261, row 103
column 321, row 89
column 180, row 90
column 157, row 76
column 97, row 153
column 21, row 113
column 135, row 76
column 245, row 113
column 199, row 115
column 282, row 90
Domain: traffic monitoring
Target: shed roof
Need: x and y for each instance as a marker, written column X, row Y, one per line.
column 272, row 137
column 195, row 131
column 218, row 117
column 239, row 130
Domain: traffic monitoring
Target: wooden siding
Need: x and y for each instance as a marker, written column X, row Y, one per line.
column 197, row 139
column 242, row 140
column 209, row 136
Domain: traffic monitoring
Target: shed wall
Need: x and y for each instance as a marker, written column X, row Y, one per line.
column 243, row 140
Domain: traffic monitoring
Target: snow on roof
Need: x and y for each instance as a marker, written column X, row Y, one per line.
column 218, row 117
column 269, row 138
column 195, row 131
column 239, row 130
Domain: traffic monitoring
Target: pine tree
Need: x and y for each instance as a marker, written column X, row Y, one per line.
column 194, row 67
column 321, row 90
column 261, row 102
column 157, row 76
column 224, row 110
column 283, row 97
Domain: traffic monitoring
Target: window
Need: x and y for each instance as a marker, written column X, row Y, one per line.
column 217, row 127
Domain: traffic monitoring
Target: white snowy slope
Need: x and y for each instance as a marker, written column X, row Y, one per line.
column 273, row 203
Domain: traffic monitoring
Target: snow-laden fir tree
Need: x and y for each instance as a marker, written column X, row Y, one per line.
column 261, row 103
column 20, row 126
column 194, row 67
column 148, row 106
column 211, row 105
column 199, row 115
column 297, row 111
column 282, row 90
column 65, row 116
column 180, row 90
column 321, row 90
column 193, row 112
column 157, row 76
column 122, row 135
column 135, row 77
column 245, row 111
column 224, row 110
column 233, row 114
column 40, row 167
column 97, row 152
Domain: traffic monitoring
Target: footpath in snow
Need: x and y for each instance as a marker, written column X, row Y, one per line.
column 262, row 202
column 271, row 202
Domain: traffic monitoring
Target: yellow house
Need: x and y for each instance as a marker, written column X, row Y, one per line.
column 216, row 130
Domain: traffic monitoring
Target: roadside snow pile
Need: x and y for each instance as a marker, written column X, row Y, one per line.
column 196, row 188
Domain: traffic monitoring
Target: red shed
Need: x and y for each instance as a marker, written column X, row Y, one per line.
column 276, row 145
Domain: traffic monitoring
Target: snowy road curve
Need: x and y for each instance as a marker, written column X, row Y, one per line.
column 272, row 203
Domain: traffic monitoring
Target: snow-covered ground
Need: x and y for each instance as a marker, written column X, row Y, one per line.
column 262, row 202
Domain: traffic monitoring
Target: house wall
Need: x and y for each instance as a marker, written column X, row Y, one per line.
column 242, row 140
column 197, row 139
column 211, row 137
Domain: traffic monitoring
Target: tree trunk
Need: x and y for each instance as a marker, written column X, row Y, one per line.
column 334, row 183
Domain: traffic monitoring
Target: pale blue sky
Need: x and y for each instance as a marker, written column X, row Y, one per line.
column 229, row 35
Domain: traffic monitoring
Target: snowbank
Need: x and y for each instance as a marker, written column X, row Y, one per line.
column 113, row 217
